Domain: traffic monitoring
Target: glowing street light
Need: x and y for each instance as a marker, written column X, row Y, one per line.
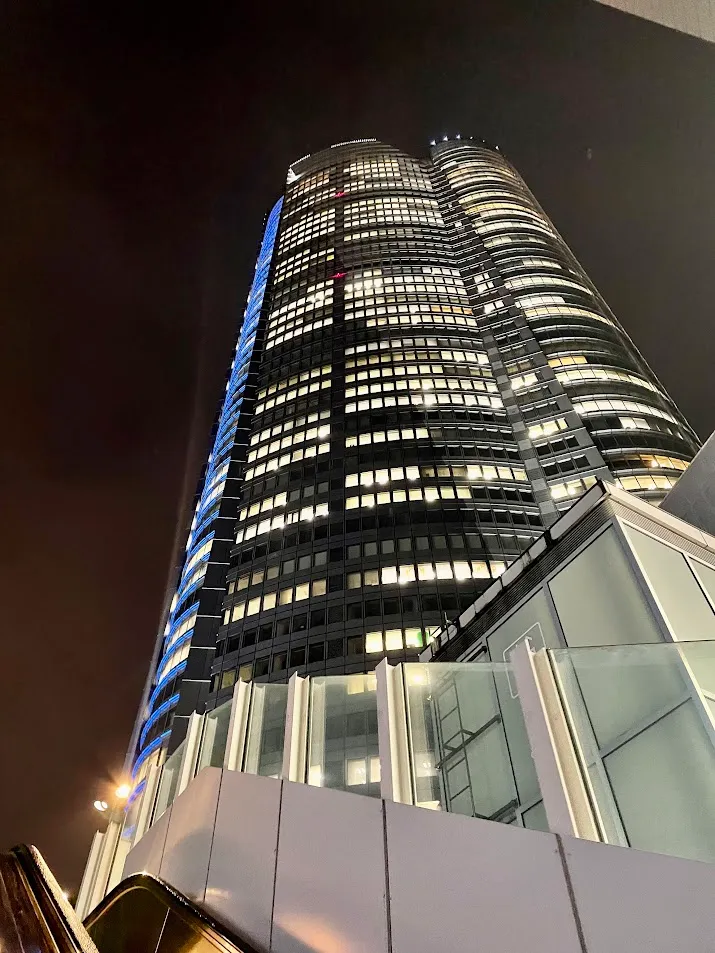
column 101, row 806
column 123, row 792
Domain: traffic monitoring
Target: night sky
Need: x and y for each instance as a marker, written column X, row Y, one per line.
column 141, row 147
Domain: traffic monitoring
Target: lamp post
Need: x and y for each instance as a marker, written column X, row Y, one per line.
column 120, row 796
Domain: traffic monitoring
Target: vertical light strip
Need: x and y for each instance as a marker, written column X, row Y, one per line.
column 191, row 577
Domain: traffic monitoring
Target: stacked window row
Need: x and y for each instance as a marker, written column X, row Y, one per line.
column 572, row 488
column 382, row 287
column 396, row 346
column 402, row 574
column 414, row 315
column 305, row 514
column 297, row 264
column 276, row 462
column 653, row 461
column 312, row 653
column 445, row 379
column 386, row 172
column 647, row 482
column 306, row 229
column 410, row 210
column 470, row 471
column 602, row 405
column 288, row 427
column 418, row 239
column 284, row 395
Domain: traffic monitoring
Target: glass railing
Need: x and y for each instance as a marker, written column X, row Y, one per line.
column 624, row 739
column 468, row 748
column 642, row 719
column 131, row 815
column 214, row 737
column 266, row 731
column 343, row 748
column 169, row 781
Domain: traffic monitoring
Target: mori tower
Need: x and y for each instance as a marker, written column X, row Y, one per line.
column 424, row 378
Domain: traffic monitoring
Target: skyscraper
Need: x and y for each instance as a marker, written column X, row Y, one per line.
column 696, row 17
column 424, row 378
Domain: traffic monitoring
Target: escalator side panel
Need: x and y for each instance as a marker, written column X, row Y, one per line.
column 21, row 926
column 145, row 915
column 60, row 922
column 179, row 935
column 134, row 922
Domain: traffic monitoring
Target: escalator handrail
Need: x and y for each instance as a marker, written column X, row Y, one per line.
column 66, row 928
column 179, row 904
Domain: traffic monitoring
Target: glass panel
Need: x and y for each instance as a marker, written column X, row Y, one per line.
column 131, row 814
column 133, row 922
column 215, row 736
column 644, row 728
column 680, row 598
column 342, row 746
column 516, row 738
column 534, row 619
column 600, row 580
column 468, row 746
column 169, row 781
column 179, row 936
column 266, row 730
column 663, row 779
column 620, row 688
column 699, row 658
column 535, row 818
column 706, row 575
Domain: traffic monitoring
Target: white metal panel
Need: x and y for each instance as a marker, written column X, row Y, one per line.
column 566, row 801
column 185, row 862
column 459, row 883
column 395, row 777
column 330, row 883
column 296, row 728
column 635, row 901
column 100, row 887
column 242, row 867
column 696, row 17
column 237, row 727
column 148, row 800
column 116, row 873
column 145, row 856
column 89, row 876
column 191, row 750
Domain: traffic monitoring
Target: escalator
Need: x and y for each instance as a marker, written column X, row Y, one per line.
column 141, row 915
column 35, row 916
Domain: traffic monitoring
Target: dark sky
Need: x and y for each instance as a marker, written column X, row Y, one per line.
column 141, row 146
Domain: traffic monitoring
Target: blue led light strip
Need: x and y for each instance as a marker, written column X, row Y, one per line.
column 172, row 673
column 156, row 714
column 223, row 441
column 175, row 624
column 149, row 750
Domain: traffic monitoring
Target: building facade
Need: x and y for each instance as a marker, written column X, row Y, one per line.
column 428, row 378
column 696, row 17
